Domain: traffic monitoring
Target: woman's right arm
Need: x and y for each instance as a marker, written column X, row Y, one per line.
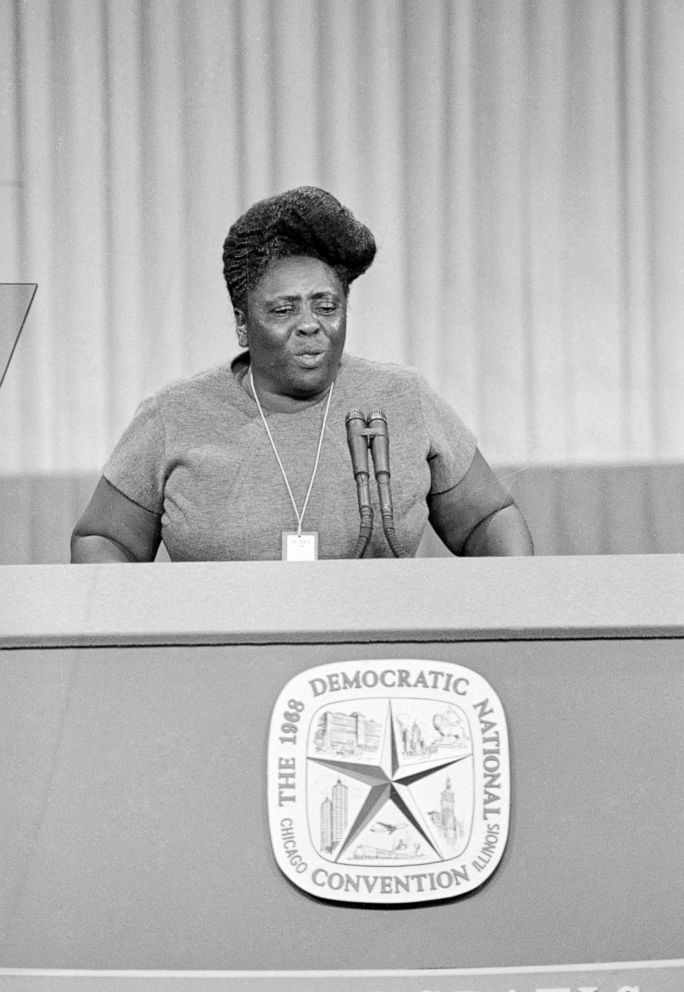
column 115, row 529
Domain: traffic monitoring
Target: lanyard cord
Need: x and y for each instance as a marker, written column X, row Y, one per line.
column 299, row 516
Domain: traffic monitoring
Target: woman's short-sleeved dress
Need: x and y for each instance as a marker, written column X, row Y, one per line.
column 197, row 454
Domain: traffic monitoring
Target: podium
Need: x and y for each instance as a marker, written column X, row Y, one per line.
column 136, row 702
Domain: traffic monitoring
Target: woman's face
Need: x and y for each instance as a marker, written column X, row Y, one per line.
column 294, row 326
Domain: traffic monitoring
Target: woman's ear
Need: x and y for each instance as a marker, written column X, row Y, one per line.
column 241, row 326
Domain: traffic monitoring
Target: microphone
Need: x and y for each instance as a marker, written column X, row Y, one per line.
column 357, row 439
column 379, row 444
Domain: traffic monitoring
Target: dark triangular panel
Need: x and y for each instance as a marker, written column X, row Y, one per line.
column 15, row 302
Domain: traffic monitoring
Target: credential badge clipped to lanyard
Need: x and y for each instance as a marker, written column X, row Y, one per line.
column 297, row 545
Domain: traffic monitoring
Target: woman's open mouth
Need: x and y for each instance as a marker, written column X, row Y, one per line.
column 310, row 359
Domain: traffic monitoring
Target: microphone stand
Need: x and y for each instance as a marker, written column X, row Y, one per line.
column 363, row 431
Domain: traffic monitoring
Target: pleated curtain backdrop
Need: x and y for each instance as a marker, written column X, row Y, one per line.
column 520, row 162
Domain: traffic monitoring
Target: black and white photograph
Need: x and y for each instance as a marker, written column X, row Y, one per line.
column 341, row 495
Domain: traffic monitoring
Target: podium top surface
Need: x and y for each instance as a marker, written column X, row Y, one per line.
column 342, row 601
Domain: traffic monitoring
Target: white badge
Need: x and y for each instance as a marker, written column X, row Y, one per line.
column 300, row 547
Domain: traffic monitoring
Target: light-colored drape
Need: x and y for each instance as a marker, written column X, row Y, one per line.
column 520, row 162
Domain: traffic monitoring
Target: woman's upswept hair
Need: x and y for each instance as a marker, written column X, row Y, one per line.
column 304, row 221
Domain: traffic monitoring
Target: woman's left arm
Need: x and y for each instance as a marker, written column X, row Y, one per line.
column 479, row 516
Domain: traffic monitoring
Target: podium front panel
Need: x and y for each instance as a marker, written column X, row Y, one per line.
column 138, row 828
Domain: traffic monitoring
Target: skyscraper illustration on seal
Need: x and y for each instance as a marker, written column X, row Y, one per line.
column 334, row 814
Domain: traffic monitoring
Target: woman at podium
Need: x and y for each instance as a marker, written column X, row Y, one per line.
column 251, row 459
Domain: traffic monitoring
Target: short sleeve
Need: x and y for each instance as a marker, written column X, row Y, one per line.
column 137, row 465
column 452, row 444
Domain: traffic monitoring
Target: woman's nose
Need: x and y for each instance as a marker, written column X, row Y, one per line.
column 308, row 322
